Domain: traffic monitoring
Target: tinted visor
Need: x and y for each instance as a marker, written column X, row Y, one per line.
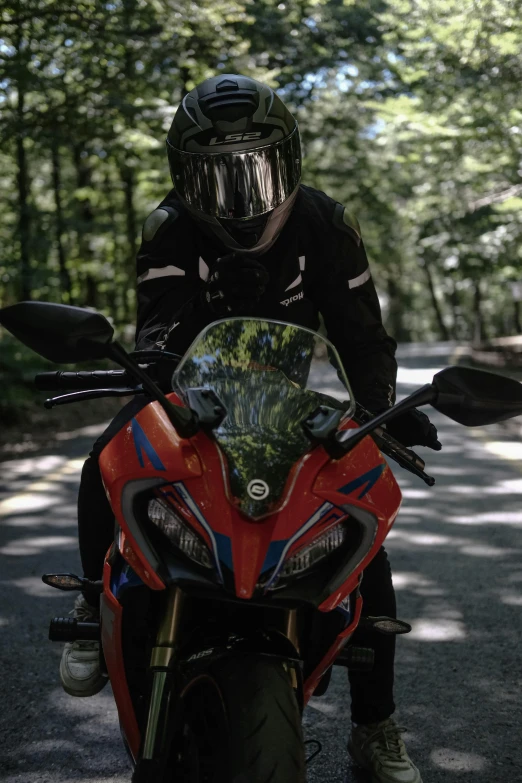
column 237, row 184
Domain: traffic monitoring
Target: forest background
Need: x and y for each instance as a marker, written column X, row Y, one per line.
column 410, row 114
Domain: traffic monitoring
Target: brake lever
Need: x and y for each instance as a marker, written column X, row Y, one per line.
column 404, row 457
column 394, row 449
column 91, row 394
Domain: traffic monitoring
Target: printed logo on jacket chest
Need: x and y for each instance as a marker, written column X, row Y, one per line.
column 295, row 284
column 294, row 298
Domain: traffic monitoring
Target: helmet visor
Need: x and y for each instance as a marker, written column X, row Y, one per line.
column 237, row 184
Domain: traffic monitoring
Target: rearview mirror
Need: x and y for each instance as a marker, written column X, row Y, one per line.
column 60, row 333
column 65, row 334
column 476, row 397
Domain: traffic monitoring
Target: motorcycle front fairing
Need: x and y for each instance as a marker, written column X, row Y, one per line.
column 282, row 525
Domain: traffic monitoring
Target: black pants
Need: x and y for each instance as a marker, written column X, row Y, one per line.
column 372, row 692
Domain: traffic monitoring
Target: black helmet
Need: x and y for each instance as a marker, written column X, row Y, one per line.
column 235, row 160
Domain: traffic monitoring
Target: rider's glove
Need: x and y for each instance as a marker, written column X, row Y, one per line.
column 413, row 428
column 234, row 285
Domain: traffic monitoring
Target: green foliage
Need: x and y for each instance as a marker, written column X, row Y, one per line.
column 409, row 112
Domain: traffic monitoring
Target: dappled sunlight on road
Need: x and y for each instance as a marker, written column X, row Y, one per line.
column 28, row 502
column 513, row 518
column 507, row 449
column 437, row 629
column 33, row 586
column 456, row 761
column 23, row 547
column 464, row 543
column 46, row 735
column 467, row 546
column 64, row 746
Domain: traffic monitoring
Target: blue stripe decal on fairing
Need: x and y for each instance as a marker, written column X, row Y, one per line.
column 366, row 481
column 224, row 548
column 273, row 555
column 123, row 577
column 142, row 444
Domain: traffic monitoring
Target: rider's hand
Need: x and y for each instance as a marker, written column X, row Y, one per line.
column 234, row 285
column 413, row 428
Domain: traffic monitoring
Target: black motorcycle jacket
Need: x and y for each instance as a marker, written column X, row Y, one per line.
column 317, row 266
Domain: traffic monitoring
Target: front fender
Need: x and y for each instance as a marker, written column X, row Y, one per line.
column 272, row 644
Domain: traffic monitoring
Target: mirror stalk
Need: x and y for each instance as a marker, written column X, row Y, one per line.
column 182, row 419
column 348, row 439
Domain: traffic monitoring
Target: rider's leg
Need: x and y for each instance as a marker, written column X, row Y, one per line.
column 80, row 664
column 372, row 692
column 375, row 742
column 95, row 519
column 95, row 516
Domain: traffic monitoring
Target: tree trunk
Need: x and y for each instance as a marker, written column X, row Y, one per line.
column 479, row 331
column 126, row 171
column 127, row 174
column 395, row 320
column 86, row 221
column 115, row 293
column 185, row 78
column 59, row 223
column 456, row 311
column 443, row 331
column 24, row 223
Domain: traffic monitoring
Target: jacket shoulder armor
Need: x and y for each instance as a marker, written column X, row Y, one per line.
column 157, row 222
column 343, row 220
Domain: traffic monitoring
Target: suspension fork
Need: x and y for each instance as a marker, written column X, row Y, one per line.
column 291, row 632
column 162, row 654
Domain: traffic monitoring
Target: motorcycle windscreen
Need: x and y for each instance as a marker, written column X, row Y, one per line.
column 269, row 376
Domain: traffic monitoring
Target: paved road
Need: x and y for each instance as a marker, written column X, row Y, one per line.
column 456, row 554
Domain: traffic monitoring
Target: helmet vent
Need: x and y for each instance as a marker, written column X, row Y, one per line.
column 227, row 84
column 229, row 106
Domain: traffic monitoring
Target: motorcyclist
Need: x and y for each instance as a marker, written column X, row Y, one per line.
column 240, row 235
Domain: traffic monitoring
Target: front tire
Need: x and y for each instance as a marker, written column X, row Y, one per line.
column 241, row 724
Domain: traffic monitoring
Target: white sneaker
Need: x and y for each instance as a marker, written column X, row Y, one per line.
column 378, row 748
column 80, row 665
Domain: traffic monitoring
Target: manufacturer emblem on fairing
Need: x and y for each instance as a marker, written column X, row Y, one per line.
column 258, row 489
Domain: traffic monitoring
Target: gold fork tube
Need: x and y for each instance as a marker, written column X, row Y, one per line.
column 163, row 651
column 156, row 699
column 162, row 654
column 291, row 628
column 169, row 624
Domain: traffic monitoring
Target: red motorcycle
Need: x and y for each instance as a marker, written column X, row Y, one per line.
column 248, row 502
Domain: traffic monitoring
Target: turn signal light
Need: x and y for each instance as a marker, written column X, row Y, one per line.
column 63, row 581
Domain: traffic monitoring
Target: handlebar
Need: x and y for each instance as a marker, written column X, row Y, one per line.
column 105, row 383
column 95, row 379
column 102, row 379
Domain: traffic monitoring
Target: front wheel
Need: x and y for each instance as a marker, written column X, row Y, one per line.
column 240, row 723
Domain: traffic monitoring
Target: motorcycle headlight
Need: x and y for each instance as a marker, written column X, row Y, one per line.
column 309, row 555
column 177, row 531
column 306, row 557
